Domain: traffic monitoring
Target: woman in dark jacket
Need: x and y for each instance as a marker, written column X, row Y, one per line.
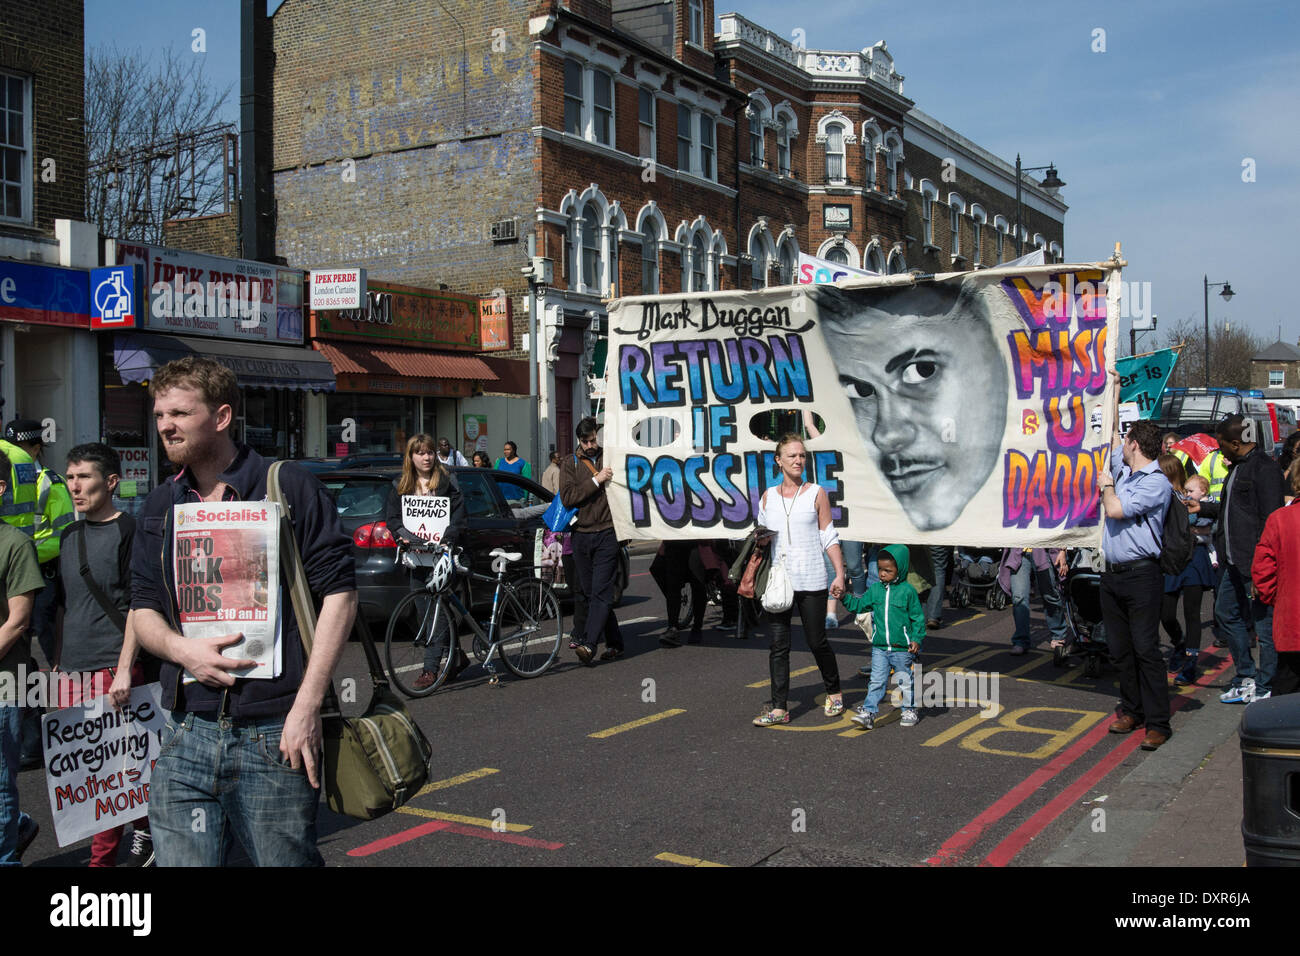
column 424, row 475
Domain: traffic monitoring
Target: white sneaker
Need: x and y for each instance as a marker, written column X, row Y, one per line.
column 1264, row 696
column 909, row 718
column 1244, row 693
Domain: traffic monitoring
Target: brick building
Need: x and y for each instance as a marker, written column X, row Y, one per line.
column 1277, row 367
column 45, row 341
column 639, row 151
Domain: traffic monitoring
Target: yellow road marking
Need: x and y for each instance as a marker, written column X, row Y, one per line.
column 1041, row 657
column 954, row 658
column 456, row 780
column 632, row 725
column 457, row 818
column 799, row 673
column 685, row 860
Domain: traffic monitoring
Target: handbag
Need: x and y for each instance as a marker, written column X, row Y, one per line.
column 749, row 571
column 556, row 517
column 778, row 595
column 373, row 763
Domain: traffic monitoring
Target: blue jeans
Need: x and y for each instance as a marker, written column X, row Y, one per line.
column 853, row 568
column 941, row 558
column 870, row 551
column 10, row 728
column 1234, row 612
column 1048, row 589
column 881, row 661
column 221, row 779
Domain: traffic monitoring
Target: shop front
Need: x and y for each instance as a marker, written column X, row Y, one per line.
column 246, row 315
column 402, row 363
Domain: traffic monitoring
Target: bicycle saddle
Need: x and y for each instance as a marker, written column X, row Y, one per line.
column 503, row 553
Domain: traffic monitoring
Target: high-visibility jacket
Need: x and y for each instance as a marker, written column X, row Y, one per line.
column 1214, row 469
column 36, row 502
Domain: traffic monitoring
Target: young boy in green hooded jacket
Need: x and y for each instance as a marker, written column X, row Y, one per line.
column 899, row 629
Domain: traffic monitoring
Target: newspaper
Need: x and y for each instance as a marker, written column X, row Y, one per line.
column 227, row 565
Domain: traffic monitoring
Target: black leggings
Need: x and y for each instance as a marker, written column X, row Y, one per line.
column 1191, row 595
column 812, row 614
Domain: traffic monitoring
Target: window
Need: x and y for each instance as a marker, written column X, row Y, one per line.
column 758, row 263
column 15, row 155
column 602, row 87
column 697, row 263
column 695, row 23
column 755, row 139
column 591, row 250
column 783, row 147
column 573, row 97
column 875, row 260
column 1276, row 378
column 835, row 153
column 706, row 147
column 975, row 246
column 787, row 264
column 649, row 261
column 955, row 219
column 1002, row 234
column 897, row 264
column 927, row 219
column 588, row 103
column 838, row 254
column 685, row 142
column 647, row 120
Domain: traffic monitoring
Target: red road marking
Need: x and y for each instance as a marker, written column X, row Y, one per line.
column 962, row 840
column 639, row 574
column 1005, row 852
column 405, row 836
column 503, row 837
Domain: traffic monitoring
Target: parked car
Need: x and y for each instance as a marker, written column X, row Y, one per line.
column 318, row 466
column 495, row 520
column 372, row 460
column 1191, row 410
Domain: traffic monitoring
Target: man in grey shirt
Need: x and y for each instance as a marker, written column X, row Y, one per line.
column 95, row 652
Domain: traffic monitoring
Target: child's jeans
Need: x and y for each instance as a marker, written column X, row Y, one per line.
column 881, row 661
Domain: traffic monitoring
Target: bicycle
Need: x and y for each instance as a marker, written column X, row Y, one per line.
column 524, row 630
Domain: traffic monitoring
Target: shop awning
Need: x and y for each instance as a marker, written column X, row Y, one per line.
column 349, row 359
column 138, row 355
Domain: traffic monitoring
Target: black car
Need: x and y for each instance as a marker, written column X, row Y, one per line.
column 504, row 511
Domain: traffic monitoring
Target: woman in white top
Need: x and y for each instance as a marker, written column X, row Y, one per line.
column 800, row 514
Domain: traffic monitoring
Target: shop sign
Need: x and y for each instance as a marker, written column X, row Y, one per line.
column 405, row 315
column 197, row 294
column 338, row 288
column 837, row 218
column 44, row 295
column 401, row 385
column 117, row 298
column 494, row 318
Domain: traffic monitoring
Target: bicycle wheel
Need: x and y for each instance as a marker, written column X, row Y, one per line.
column 418, row 639
column 530, row 627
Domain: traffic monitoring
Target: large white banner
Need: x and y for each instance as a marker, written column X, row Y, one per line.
column 99, row 761
column 953, row 409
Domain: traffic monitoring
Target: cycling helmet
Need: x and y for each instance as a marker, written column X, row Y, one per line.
column 441, row 573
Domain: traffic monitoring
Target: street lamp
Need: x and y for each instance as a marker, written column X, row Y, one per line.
column 1051, row 181
column 1227, row 294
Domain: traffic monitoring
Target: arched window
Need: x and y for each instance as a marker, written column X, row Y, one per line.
column 838, row 254
column 649, row 260
column 755, row 138
column 835, row 153
column 928, row 196
column 783, row 147
column 875, row 259
column 789, row 259
column 1001, row 227
column 591, row 257
column 897, row 264
column 978, row 220
column 698, row 257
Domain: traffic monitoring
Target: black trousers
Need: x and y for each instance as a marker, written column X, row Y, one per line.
column 1190, row 639
column 812, row 615
column 671, row 569
column 596, row 555
column 1130, row 607
column 1287, row 678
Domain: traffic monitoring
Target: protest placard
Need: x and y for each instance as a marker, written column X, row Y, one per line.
column 228, row 578
column 1142, row 379
column 426, row 516
column 940, row 410
column 99, row 761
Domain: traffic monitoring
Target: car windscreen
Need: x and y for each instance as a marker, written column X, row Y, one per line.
column 358, row 497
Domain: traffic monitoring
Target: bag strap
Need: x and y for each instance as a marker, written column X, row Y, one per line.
column 114, row 613
column 588, row 463
column 300, row 594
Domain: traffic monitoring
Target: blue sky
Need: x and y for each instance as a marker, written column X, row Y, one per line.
column 1150, row 135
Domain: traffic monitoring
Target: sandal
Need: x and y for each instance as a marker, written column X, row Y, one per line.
column 769, row 717
column 834, row 706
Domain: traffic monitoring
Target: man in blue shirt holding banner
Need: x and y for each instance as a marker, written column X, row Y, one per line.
column 1134, row 496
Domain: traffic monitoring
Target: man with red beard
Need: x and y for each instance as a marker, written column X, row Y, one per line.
column 238, row 755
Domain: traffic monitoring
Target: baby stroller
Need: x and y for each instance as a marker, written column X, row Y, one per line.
column 977, row 574
column 1083, row 615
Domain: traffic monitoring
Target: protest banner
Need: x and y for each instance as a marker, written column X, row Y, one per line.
column 951, row 409
column 1142, row 379
column 426, row 516
column 99, row 761
column 814, row 271
column 228, row 578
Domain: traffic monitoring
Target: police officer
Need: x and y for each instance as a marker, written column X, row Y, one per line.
column 37, row 503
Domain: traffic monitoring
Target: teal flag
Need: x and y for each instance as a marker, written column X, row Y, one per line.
column 1142, row 379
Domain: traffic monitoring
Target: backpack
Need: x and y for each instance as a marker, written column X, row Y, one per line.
column 1180, row 541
